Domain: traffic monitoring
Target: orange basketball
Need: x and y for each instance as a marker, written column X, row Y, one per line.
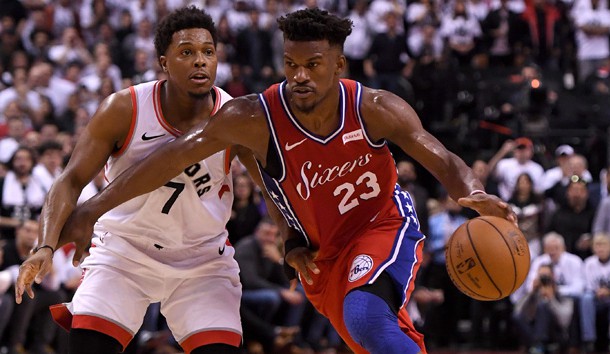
column 487, row 258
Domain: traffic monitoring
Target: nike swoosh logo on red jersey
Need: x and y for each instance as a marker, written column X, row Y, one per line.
column 292, row 146
column 145, row 137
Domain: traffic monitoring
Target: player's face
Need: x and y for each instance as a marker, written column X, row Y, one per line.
column 312, row 70
column 190, row 61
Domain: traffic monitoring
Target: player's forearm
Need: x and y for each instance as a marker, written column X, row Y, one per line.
column 59, row 203
column 149, row 174
column 459, row 180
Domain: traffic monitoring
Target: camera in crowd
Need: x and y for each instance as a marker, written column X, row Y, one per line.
column 546, row 280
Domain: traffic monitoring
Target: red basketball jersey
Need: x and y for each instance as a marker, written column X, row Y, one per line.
column 328, row 187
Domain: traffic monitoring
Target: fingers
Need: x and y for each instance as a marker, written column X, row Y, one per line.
column 305, row 275
column 293, row 284
column 78, row 254
column 313, row 267
column 81, row 245
column 24, row 281
column 466, row 202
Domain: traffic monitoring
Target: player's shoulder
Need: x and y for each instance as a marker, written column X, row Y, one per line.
column 120, row 100
column 378, row 99
column 244, row 106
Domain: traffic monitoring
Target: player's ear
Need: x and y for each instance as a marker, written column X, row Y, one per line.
column 341, row 64
column 163, row 62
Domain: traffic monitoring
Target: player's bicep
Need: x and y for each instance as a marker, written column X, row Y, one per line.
column 389, row 117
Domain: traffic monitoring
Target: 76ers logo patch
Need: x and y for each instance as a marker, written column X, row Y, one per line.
column 361, row 265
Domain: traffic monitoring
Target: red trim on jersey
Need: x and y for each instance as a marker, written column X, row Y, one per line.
column 224, row 189
column 227, row 160
column 217, row 102
column 132, row 127
column 209, row 337
column 419, row 255
column 103, row 326
column 62, row 316
column 159, row 112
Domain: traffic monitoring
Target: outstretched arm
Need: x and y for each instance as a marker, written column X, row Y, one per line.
column 238, row 122
column 105, row 133
column 228, row 127
column 389, row 117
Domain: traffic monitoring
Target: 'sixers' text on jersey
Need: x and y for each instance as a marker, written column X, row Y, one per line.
column 328, row 187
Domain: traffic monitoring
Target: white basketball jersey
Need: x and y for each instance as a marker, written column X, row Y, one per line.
column 191, row 209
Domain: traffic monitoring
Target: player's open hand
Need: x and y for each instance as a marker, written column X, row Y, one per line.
column 488, row 204
column 78, row 229
column 33, row 270
column 302, row 260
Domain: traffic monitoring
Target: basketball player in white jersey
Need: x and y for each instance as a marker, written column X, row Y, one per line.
column 170, row 245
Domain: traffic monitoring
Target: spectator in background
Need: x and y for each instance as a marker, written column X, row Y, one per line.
column 387, row 64
column 506, row 170
column 22, row 91
column 419, row 14
column 21, row 194
column 49, row 166
column 429, row 74
column 15, row 131
column 592, row 22
column 357, row 45
column 601, row 222
column 561, row 171
column 575, row 165
column 62, row 15
column 528, row 206
column 441, row 320
column 142, row 39
column 574, row 220
column 254, row 44
column 378, row 11
column 245, row 215
column 543, row 40
column 265, row 287
column 595, row 303
column 32, row 315
column 502, row 30
column 56, row 88
column 567, row 267
column 461, row 31
column 72, row 48
column 544, row 314
column 568, row 276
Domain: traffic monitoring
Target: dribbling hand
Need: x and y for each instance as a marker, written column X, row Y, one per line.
column 33, row 270
column 302, row 260
column 488, row 204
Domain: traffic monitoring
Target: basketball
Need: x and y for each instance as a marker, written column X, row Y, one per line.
column 487, row 258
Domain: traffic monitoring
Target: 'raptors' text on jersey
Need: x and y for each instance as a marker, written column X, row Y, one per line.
column 191, row 208
column 328, row 187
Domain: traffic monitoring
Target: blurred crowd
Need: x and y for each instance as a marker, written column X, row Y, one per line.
column 519, row 88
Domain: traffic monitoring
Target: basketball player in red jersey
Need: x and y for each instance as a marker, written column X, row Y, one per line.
column 170, row 245
column 320, row 144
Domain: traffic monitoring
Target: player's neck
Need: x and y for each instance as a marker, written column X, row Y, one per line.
column 323, row 119
column 183, row 111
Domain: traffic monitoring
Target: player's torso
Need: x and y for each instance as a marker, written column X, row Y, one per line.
column 329, row 187
column 191, row 208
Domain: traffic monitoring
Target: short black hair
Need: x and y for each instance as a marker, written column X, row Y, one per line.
column 50, row 145
column 183, row 18
column 33, row 157
column 315, row 25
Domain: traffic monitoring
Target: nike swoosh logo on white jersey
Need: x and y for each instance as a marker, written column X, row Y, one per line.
column 147, row 137
column 290, row 147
